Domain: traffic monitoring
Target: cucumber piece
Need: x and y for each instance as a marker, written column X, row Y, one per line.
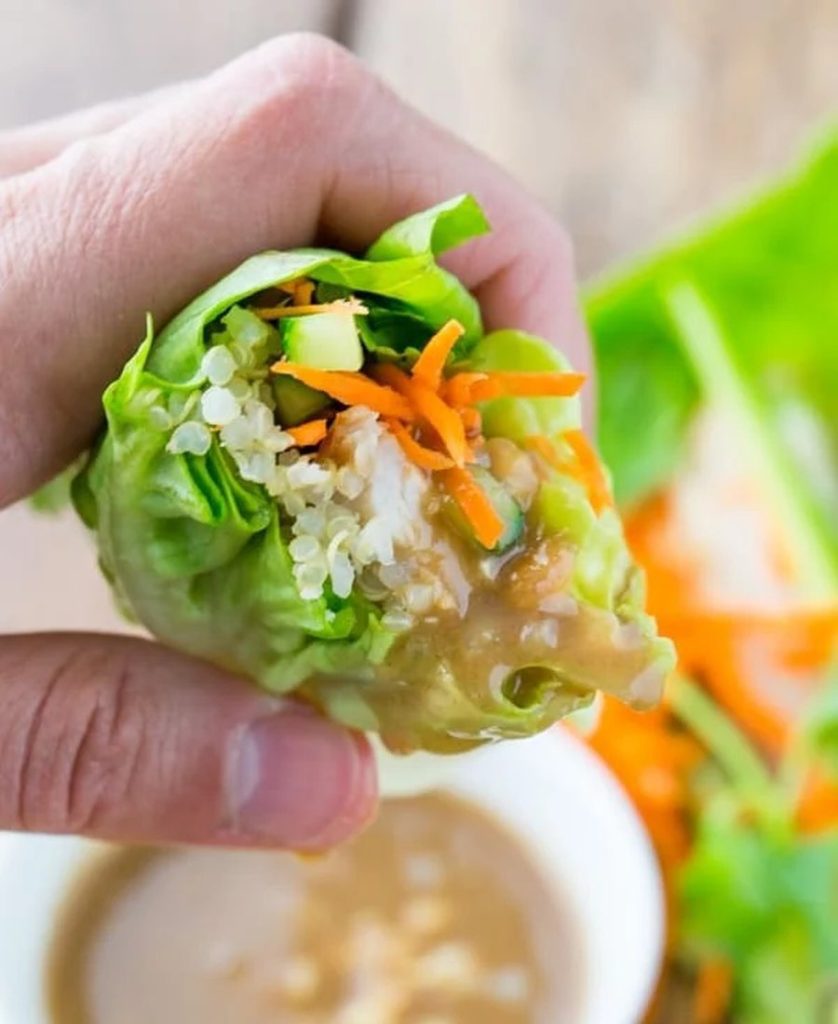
column 296, row 402
column 504, row 504
column 327, row 341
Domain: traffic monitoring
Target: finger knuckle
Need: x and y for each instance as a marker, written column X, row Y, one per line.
column 302, row 82
column 317, row 60
column 21, row 261
column 85, row 743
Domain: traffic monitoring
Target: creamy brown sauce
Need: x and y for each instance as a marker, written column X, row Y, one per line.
column 455, row 680
column 434, row 916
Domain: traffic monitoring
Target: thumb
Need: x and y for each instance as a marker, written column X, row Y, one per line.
column 121, row 739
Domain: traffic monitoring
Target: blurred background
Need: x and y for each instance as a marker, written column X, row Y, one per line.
column 626, row 119
column 631, row 122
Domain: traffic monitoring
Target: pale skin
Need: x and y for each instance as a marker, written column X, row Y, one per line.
column 141, row 205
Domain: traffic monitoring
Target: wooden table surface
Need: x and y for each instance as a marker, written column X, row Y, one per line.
column 625, row 118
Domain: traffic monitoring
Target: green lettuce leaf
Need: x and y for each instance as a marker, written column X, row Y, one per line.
column 753, row 889
column 768, row 904
column 820, row 726
column 197, row 555
column 400, row 277
column 54, row 496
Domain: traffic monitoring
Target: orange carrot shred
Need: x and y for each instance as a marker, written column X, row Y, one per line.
column 349, row 389
column 570, row 467
column 351, row 306
column 430, row 364
column 431, row 408
column 306, row 435
column 300, row 289
column 547, row 450
column 472, row 421
column 468, row 388
column 419, row 455
column 456, row 390
column 713, row 992
column 590, row 465
column 487, row 524
column 303, row 292
column 817, row 809
column 527, row 385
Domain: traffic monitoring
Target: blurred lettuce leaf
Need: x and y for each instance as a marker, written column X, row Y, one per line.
column 754, row 891
column 767, row 278
column 767, row 903
column 820, row 726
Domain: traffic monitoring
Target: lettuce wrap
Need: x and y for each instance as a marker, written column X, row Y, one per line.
column 324, row 475
column 741, row 315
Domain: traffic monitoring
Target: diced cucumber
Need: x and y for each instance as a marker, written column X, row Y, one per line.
column 327, row 341
column 296, row 402
column 504, row 504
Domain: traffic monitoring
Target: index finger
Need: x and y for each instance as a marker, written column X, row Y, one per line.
column 292, row 142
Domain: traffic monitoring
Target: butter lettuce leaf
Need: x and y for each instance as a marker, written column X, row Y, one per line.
column 400, row 276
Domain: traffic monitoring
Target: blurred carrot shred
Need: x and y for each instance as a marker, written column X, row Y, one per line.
column 817, row 809
column 714, row 988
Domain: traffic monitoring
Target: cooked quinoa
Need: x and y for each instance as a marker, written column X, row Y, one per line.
column 356, row 510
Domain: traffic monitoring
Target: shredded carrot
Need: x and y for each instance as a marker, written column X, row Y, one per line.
column 425, row 458
column 300, row 289
column 527, row 385
column 817, row 809
column 590, row 465
column 430, row 364
column 456, row 390
column 467, row 388
column 349, row 306
column 430, row 408
column 472, row 421
column 349, row 388
column 547, row 450
column 306, row 435
column 487, row 524
column 654, row 761
column 583, row 466
column 713, row 990
column 717, row 647
column 303, row 292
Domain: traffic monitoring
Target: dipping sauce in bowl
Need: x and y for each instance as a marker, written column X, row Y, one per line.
column 436, row 915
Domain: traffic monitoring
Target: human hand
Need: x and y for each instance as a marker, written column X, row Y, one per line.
column 143, row 205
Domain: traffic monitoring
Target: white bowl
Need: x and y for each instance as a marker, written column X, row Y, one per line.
column 551, row 791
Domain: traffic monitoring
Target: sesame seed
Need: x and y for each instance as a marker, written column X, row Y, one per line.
column 347, row 511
